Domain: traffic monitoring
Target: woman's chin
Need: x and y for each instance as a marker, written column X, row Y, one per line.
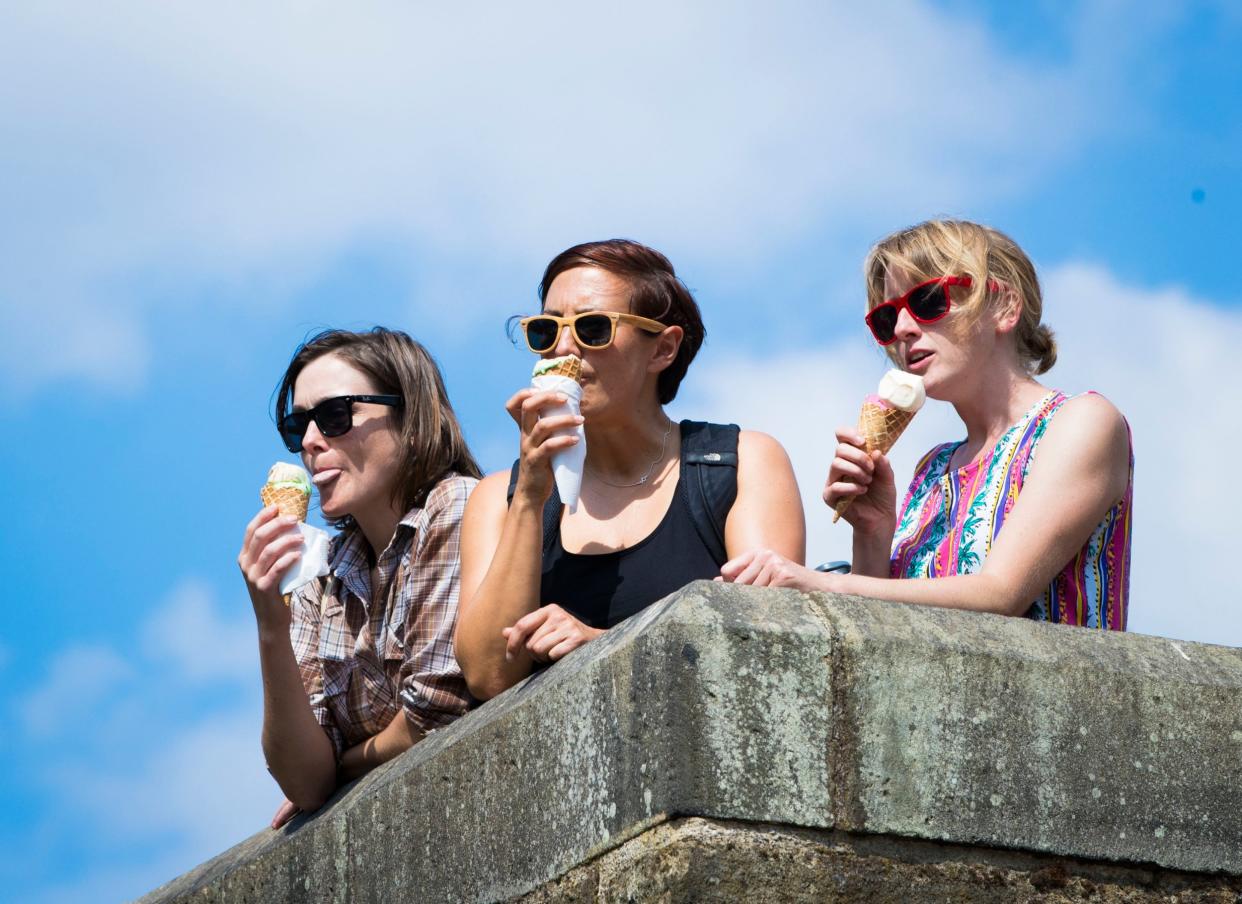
column 331, row 509
column 932, row 384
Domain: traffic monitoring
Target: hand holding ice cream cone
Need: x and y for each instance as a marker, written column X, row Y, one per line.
column 288, row 488
column 885, row 416
column 561, row 375
column 275, row 556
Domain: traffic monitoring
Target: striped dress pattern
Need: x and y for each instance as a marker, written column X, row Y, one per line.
column 950, row 518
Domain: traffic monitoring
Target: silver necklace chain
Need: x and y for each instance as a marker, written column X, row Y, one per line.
column 650, row 468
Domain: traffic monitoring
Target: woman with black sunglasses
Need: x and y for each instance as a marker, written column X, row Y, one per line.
column 662, row 503
column 1000, row 528
column 359, row 666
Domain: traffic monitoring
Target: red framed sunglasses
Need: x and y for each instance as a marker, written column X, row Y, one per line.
column 927, row 302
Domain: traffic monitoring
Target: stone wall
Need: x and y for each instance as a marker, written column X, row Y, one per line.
column 732, row 743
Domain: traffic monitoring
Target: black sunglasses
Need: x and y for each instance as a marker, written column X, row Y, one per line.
column 333, row 417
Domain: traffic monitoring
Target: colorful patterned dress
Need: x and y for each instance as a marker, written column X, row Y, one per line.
column 951, row 517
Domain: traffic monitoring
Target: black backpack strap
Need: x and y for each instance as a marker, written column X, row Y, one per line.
column 709, row 452
column 513, row 476
column 551, row 509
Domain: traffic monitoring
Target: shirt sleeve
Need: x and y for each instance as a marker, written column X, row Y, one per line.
column 304, row 635
column 433, row 691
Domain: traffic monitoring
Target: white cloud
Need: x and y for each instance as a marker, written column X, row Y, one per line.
column 78, row 679
column 190, row 797
column 204, row 784
column 1156, row 353
column 181, row 143
column 188, row 634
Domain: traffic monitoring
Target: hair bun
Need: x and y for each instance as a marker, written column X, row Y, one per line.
column 1043, row 349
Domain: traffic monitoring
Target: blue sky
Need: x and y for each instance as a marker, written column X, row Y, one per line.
column 190, row 191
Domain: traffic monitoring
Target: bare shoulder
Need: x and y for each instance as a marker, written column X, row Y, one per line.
column 489, row 496
column 768, row 511
column 1094, row 405
column 755, row 447
column 1087, row 444
column 761, row 461
column 1089, row 423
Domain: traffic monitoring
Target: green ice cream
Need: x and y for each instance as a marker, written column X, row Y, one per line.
column 284, row 475
column 546, row 364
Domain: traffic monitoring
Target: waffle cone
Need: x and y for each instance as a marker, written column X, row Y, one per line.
column 290, row 501
column 571, row 367
column 880, row 426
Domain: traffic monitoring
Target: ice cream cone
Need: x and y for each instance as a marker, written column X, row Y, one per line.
column 288, row 487
column 881, row 425
column 290, row 500
column 562, row 375
column 568, row 366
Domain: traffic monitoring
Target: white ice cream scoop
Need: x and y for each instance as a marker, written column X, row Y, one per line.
column 902, row 390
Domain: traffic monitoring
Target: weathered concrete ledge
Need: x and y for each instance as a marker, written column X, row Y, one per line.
column 778, row 711
column 695, row 859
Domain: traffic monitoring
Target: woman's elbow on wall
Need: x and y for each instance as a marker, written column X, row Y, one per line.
column 308, row 803
column 1013, row 604
column 482, row 684
column 996, row 595
column 315, row 795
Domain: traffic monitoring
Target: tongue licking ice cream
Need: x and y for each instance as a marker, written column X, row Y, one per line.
column 886, row 415
column 289, row 488
column 562, row 375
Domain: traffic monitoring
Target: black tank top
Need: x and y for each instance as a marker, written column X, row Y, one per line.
column 603, row 589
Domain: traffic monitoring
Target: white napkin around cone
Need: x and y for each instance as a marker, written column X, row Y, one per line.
column 314, row 561
column 567, row 464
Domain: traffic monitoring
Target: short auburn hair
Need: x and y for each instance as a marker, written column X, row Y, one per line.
column 655, row 292
column 431, row 440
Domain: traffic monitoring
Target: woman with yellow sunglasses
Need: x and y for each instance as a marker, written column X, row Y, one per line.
column 661, row 503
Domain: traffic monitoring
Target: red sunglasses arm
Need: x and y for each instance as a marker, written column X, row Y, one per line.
column 966, row 282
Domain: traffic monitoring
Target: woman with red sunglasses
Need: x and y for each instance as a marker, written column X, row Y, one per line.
column 1028, row 515
column 539, row 581
column 358, row 666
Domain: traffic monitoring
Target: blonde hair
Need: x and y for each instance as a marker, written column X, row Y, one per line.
column 989, row 257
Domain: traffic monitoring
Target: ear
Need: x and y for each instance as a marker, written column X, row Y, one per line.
column 1008, row 310
column 667, row 345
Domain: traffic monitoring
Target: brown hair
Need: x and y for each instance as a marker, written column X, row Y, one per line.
column 655, row 292
column 429, row 435
column 988, row 256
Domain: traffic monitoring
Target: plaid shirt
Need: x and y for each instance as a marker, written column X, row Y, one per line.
column 365, row 658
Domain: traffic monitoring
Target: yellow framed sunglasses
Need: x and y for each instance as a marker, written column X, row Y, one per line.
column 591, row 329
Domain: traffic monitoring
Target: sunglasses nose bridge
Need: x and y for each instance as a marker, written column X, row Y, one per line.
column 313, row 437
column 906, row 324
column 567, row 340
